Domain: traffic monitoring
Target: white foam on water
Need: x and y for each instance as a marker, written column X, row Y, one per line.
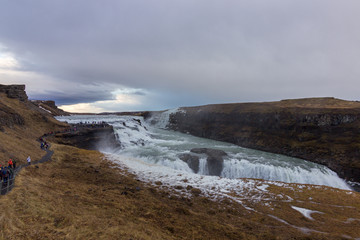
column 161, row 120
column 234, row 168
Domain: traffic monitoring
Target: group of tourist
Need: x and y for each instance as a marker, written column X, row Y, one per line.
column 7, row 171
column 43, row 144
column 94, row 124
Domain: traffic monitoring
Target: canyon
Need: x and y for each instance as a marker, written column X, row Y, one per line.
column 321, row 130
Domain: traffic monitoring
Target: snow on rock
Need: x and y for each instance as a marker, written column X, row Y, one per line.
column 45, row 109
column 306, row 212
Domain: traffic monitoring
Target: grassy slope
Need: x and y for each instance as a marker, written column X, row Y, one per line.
column 79, row 195
column 19, row 141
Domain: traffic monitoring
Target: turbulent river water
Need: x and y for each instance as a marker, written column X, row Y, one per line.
column 150, row 144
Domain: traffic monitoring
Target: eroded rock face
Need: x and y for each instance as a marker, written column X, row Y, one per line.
column 14, row 91
column 89, row 138
column 325, row 131
column 9, row 118
column 191, row 160
column 214, row 160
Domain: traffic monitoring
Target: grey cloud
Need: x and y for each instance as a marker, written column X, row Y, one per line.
column 68, row 98
column 214, row 51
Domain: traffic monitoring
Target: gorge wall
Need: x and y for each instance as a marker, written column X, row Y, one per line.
column 321, row 130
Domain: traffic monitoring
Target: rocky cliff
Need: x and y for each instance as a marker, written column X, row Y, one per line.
column 14, row 91
column 91, row 138
column 321, row 130
column 9, row 117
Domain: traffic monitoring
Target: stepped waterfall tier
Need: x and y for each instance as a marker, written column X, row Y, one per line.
column 147, row 144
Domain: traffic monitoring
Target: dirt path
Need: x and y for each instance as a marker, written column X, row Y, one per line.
column 45, row 158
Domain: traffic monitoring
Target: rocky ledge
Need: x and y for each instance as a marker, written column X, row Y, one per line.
column 215, row 161
column 14, row 91
column 321, row 130
column 91, row 138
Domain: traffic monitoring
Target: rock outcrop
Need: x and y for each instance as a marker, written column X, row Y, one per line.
column 214, row 160
column 321, row 130
column 98, row 138
column 49, row 107
column 14, row 91
column 9, row 117
column 191, row 160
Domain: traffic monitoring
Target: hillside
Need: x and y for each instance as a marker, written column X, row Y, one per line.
column 322, row 130
column 21, row 123
column 80, row 194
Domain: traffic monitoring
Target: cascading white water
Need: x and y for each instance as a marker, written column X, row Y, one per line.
column 153, row 145
column 203, row 168
column 161, row 120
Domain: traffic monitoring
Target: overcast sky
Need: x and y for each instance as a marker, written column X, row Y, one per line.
column 119, row 55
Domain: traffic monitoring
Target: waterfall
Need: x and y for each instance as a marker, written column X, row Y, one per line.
column 152, row 144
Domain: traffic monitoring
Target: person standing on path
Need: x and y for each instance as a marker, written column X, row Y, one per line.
column 10, row 162
column 29, row 160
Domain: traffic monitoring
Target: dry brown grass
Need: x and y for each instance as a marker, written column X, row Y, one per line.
column 325, row 104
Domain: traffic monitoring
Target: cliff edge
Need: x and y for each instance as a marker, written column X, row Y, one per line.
column 14, row 91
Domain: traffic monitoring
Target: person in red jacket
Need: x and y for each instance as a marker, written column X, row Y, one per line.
column 10, row 163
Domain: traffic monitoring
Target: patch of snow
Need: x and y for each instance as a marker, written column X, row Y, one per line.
column 263, row 187
column 302, row 229
column 306, row 212
column 350, row 220
column 346, row 236
column 45, row 109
